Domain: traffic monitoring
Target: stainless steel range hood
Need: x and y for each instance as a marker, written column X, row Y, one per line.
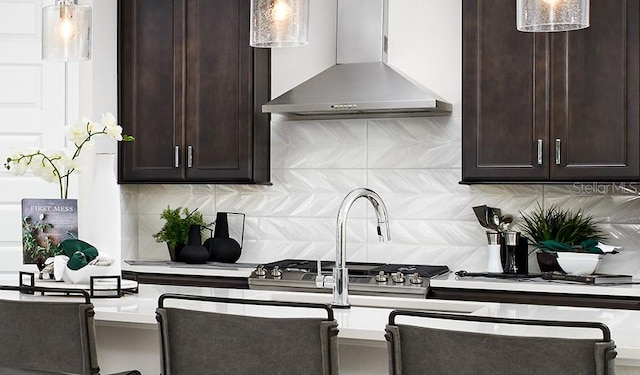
column 361, row 84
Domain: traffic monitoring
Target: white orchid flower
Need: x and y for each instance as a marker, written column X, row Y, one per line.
column 109, row 120
column 56, row 166
column 111, row 126
column 60, row 161
column 76, row 133
column 70, row 164
column 44, row 170
column 20, row 168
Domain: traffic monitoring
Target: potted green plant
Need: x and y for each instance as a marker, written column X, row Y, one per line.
column 175, row 231
column 552, row 230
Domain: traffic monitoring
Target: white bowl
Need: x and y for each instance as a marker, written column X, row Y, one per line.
column 578, row 263
column 83, row 275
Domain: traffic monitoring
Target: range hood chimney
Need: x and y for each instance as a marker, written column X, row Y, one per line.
column 361, row 84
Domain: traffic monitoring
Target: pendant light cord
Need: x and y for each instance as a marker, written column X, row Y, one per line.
column 66, row 93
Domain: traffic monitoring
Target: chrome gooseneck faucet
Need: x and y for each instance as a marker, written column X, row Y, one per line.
column 340, row 278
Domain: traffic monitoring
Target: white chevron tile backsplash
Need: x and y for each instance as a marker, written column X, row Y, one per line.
column 295, row 192
column 619, row 207
column 318, row 144
column 413, row 163
column 414, row 143
column 153, row 199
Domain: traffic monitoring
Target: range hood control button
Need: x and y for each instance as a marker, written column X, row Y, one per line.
column 415, row 279
column 260, row 271
column 397, row 278
column 381, row 277
column 276, row 272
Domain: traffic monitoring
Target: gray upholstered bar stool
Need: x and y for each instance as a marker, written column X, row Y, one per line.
column 48, row 337
column 418, row 348
column 201, row 341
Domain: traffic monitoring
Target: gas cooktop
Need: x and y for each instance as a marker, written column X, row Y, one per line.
column 407, row 280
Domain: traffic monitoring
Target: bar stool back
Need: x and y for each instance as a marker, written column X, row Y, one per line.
column 195, row 341
column 417, row 349
column 48, row 337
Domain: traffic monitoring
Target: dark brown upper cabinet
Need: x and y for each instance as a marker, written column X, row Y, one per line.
column 190, row 92
column 550, row 107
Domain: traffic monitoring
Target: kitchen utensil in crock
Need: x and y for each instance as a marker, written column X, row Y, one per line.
column 494, row 218
column 506, row 222
column 194, row 252
column 223, row 248
column 488, row 217
column 481, row 215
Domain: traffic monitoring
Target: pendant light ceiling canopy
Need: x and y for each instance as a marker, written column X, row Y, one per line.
column 552, row 15
column 279, row 23
column 66, row 31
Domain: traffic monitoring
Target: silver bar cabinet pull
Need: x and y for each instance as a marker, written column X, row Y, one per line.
column 176, row 157
column 539, row 151
column 189, row 156
column 557, row 151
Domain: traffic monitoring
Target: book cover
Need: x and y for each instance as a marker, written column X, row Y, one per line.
column 596, row 278
column 45, row 224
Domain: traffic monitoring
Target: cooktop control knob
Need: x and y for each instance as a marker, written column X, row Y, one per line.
column 276, row 272
column 397, row 278
column 381, row 277
column 260, row 271
column 415, row 279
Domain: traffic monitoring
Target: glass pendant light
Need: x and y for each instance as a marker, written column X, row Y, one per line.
column 279, row 23
column 66, row 31
column 552, row 15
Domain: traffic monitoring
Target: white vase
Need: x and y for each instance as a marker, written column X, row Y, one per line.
column 494, row 264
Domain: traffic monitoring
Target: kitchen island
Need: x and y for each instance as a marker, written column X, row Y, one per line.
column 128, row 336
column 534, row 291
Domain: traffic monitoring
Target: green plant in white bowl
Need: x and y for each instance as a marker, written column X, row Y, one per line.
column 554, row 229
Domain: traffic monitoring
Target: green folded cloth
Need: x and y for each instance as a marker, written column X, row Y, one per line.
column 79, row 252
column 587, row 246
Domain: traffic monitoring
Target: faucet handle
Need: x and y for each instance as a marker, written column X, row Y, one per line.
column 326, row 281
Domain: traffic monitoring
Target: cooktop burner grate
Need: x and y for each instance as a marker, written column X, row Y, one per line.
column 360, row 268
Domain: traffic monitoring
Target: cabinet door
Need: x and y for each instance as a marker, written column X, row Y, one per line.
column 505, row 115
column 219, row 102
column 595, row 96
column 151, row 42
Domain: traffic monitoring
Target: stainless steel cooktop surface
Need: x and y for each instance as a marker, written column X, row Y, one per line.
column 406, row 280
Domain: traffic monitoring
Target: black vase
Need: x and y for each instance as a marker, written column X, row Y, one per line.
column 194, row 252
column 222, row 248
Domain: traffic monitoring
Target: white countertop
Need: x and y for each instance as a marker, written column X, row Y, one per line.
column 366, row 319
column 178, row 268
column 447, row 281
column 534, row 285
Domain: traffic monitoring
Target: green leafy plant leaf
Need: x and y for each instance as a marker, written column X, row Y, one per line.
column 565, row 226
column 177, row 222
